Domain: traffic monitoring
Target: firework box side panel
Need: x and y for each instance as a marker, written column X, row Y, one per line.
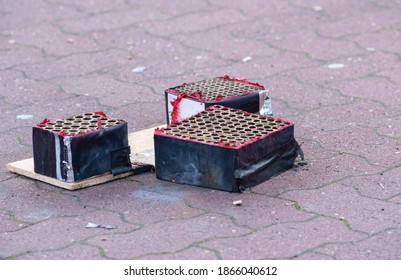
column 196, row 164
column 74, row 158
column 44, row 152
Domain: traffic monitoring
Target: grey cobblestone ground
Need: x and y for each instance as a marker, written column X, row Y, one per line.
column 333, row 68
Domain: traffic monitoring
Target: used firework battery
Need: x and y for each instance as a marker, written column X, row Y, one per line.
column 225, row 149
column 191, row 98
column 79, row 147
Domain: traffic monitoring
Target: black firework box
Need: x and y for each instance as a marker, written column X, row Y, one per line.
column 225, row 149
column 190, row 98
column 80, row 147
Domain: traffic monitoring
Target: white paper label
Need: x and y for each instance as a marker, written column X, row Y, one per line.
column 186, row 108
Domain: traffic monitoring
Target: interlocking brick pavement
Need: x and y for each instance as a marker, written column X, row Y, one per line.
column 333, row 68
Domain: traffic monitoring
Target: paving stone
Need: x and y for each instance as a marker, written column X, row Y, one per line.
column 58, row 233
column 337, row 8
column 8, row 223
column 361, row 213
column 109, row 91
column 396, row 199
column 263, row 210
column 368, row 88
column 258, row 8
column 298, row 96
column 171, row 236
column 383, row 246
column 17, row 144
column 284, row 18
column 45, row 12
column 391, row 74
column 96, row 62
column 147, row 115
column 109, row 20
column 27, row 91
column 318, row 173
column 365, row 22
column 353, row 68
column 387, row 127
column 377, row 149
column 269, row 243
column 192, row 253
column 372, row 41
column 20, row 56
column 190, row 23
column 307, row 45
column 381, row 186
column 137, row 42
column 348, row 116
column 216, row 42
column 313, row 256
column 25, row 199
column 71, row 252
column 271, row 65
column 100, row 6
column 136, row 203
column 174, row 7
column 53, row 42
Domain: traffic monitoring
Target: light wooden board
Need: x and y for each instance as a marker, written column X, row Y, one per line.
column 142, row 151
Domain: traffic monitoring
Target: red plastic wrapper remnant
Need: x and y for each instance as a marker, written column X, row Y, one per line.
column 176, row 108
column 243, row 80
column 45, row 121
column 100, row 113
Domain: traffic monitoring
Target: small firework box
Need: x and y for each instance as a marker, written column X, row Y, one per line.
column 191, row 98
column 225, row 149
column 81, row 147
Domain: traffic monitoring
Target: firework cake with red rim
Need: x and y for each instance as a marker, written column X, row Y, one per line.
column 190, row 98
column 225, row 149
column 80, row 147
